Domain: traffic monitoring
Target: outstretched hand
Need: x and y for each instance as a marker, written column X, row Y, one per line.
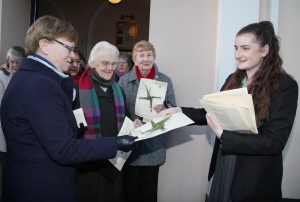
column 125, row 142
column 169, row 111
column 214, row 125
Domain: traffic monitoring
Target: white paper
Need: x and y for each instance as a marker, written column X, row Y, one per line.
column 121, row 156
column 233, row 108
column 161, row 125
column 79, row 116
column 150, row 93
column 168, row 123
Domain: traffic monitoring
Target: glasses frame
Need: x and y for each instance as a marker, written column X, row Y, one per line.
column 106, row 64
column 78, row 62
column 70, row 49
column 13, row 62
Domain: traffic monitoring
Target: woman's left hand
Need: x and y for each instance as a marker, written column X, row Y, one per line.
column 213, row 123
column 159, row 107
column 137, row 123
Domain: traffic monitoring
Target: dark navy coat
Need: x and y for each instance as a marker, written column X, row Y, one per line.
column 39, row 127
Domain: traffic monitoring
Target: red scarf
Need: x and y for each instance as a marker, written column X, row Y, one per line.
column 149, row 76
column 76, row 79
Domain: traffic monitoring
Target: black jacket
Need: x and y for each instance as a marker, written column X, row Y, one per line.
column 259, row 168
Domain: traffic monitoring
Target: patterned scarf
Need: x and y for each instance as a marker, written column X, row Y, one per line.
column 90, row 105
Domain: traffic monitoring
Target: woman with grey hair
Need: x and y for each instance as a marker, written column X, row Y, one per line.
column 103, row 103
column 14, row 57
column 125, row 65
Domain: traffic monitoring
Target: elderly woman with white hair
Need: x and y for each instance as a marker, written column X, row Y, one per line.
column 103, row 103
column 14, row 57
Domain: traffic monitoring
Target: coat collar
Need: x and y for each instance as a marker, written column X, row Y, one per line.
column 66, row 83
column 36, row 66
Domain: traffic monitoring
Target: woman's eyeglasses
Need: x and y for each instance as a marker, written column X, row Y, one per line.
column 77, row 62
column 106, row 64
column 70, row 49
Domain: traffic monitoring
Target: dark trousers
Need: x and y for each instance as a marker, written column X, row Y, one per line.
column 140, row 183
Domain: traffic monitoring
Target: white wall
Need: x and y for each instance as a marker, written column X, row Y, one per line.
column 184, row 33
column 15, row 15
column 231, row 20
column 194, row 41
